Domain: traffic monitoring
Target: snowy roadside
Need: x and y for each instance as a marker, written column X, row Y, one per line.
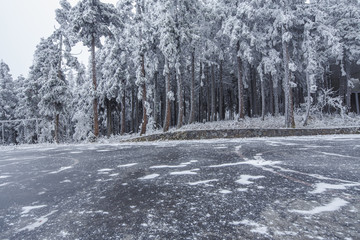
column 251, row 124
column 270, row 122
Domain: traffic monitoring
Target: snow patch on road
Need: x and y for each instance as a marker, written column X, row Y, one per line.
column 322, row 187
column 224, row 191
column 257, row 228
column 188, row 172
column 203, row 182
column 4, row 176
column 4, row 184
column 336, row 155
column 181, row 165
column 114, row 175
column 244, row 179
column 38, row 222
column 148, row 177
column 335, row 205
column 242, row 189
column 105, row 170
column 66, row 181
column 257, row 162
column 127, row 165
column 61, row 169
column 27, row 209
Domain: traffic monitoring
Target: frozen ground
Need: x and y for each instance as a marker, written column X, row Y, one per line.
column 268, row 188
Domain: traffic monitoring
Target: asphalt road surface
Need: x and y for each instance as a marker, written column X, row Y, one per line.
column 270, row 188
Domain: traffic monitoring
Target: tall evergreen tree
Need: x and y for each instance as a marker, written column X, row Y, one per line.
column 90, row 20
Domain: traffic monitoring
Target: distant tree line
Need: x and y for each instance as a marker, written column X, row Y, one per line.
column 157, row 64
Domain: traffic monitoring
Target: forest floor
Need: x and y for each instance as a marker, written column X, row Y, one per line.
column 270, row 122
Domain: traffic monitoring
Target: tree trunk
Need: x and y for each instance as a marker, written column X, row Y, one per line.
column 132, row 123
column 348, row 86
column 109, row 124
column 144, row 99
column 156, row 100
column 208, row 95
column 308, row 104
column 255, row 99
column 262, row 85
column 200, row 94
column 276, row 96
column 168, row 100
column 123, row 113
column 180, row 97
column 221, row 93
column 56, row 134
column 192, row 90
column 271, row 94
column 213, row 95
column 95, row 100
column 137, row 111
column 289, row 114
column 240, row 84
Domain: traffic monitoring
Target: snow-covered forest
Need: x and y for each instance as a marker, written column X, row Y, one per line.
column 161, row 64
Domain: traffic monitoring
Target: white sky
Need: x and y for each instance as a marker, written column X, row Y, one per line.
column 22, row 24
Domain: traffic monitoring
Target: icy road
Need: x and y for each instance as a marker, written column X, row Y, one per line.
column 269, row 188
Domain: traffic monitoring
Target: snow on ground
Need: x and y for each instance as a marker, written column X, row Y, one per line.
column 148, row 177
column 256, row 227
column 127, row 165
column 270, row 122
column 334, row 205
column 61, row 169
column 244, row 179
column 322, row 187
column 105, row 170
column 203, row 182
column 27, row 209
column 37, row 222
column 188, row 172
column 224, row 191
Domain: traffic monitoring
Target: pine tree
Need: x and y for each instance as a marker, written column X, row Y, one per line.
column 90, row 20
column 8, row 100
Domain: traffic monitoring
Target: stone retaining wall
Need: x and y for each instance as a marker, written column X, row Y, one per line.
column 244, row 133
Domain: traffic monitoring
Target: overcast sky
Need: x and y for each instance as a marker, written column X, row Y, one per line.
column 22, row 24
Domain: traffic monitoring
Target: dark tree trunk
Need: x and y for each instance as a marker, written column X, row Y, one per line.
column 168, row 100
column 200, row 95
column 275, row 87
column 109, row 124
column 289, row 113
column 262, row 85
column 180, row 98
column 254, row 94
column 156, row 100
column 95, row 100
column 348, row 85
column 123, row 113
column 208, row 94
column 192, row 90
column 144, row 98
column 271, row 94
column 240, row 84
column 213, row 96
column 221, row 93
column 137, row 112
column 56, row 137
column 308, row 104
